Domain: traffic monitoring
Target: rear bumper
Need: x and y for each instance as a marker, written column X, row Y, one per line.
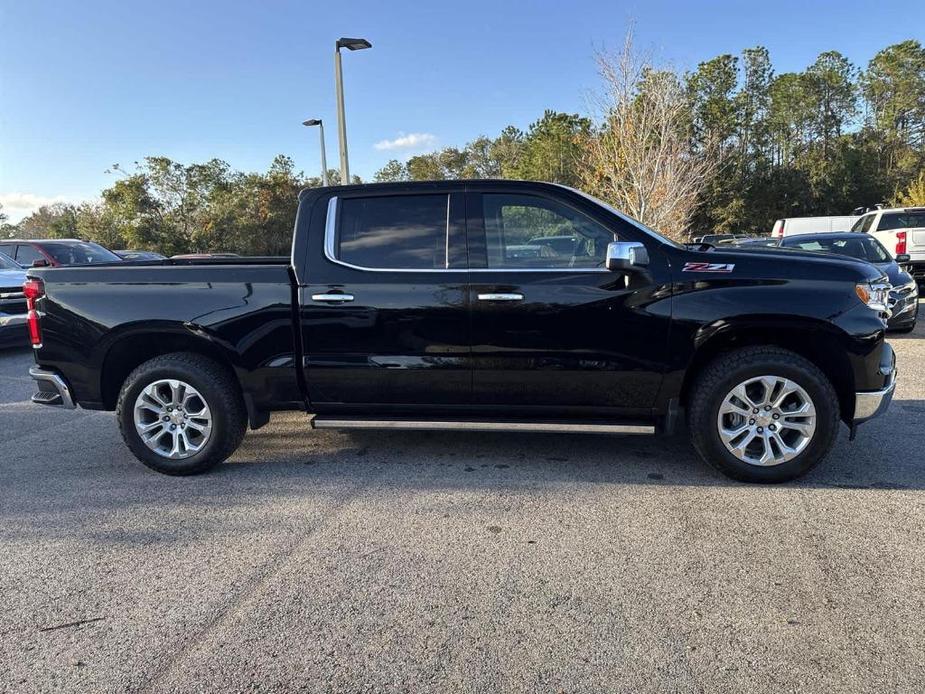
column 870, row 404
column 52, row 390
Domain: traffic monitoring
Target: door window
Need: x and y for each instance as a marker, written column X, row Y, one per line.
column 399, row 232
column 529, row 232
column 25, row 255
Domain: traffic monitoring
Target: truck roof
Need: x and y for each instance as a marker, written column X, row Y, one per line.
column 44, row 241
column 897, row 209
column 457, row 183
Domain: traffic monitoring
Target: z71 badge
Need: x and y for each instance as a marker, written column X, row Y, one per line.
column 708, row 267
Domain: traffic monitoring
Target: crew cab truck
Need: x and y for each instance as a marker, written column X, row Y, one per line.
column 401, row 308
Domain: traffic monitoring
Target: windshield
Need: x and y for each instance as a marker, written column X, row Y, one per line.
column 7, row 263
column 626, row 218
column 863, row 224
column 862, row 247
column 79, row 253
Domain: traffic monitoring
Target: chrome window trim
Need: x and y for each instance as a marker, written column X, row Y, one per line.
column 330, row 229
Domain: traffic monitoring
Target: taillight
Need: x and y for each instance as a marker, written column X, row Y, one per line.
column 33, row 289
column 780, row 232
column 900, row 242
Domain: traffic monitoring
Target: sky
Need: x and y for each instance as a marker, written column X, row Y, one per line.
column 84, row 85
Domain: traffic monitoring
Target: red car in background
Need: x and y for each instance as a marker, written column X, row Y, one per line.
column 56, row 252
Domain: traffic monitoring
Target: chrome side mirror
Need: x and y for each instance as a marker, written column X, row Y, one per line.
column 624, row 256
column 903, row 258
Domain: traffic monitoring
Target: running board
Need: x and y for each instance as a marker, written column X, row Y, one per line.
column 323, row 422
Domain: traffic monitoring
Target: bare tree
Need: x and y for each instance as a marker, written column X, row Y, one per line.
column 640, row 157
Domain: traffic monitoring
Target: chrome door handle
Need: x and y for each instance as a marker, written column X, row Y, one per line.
column 501, row 297
column 332, row 298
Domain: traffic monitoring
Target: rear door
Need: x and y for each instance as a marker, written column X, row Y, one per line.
column 553, row 331
column 384, row 310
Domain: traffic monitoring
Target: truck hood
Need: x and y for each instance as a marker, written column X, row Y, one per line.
column 12, row 278
column 792, row 260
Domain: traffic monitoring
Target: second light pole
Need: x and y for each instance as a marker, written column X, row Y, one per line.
column 353, row 45
column 324, row 159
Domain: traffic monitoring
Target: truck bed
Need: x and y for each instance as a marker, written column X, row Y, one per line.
column 101, row 317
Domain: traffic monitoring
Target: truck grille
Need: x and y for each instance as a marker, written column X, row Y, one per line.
column 12, row 300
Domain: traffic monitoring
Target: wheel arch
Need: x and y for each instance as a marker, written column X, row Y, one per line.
column 134, row 347
column 818, row 341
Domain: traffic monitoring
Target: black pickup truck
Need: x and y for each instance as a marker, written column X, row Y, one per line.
column 473, row 305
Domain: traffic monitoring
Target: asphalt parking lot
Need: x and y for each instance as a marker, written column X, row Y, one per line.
column 369, row 561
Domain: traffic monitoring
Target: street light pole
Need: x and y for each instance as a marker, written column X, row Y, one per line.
column 324, row 158
column 353, row 45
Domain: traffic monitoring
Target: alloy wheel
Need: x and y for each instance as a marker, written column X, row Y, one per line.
column 172, row 418
column 766, row 420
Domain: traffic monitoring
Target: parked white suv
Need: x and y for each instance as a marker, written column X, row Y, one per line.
column 902, row 231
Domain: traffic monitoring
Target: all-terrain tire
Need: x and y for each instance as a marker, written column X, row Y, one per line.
column 218, row 389
column 733, row 368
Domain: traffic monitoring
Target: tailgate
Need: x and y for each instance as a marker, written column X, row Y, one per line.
column 917, row 239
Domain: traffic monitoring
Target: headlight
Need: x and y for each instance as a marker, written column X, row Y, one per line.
column 875, row 295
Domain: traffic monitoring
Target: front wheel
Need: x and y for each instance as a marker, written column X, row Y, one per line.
column 181, row 413
column 763, row 414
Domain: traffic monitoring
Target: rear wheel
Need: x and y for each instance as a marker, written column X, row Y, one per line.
column 181, row 413
column 763, row 414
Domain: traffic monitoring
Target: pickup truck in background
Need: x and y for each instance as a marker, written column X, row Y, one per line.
column 902, row 232
column 401, row 307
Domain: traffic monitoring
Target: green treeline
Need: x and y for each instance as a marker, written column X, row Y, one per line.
column 730, row 146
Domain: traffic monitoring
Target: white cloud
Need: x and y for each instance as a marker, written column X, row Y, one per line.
column 19, row 205
column 405, row 142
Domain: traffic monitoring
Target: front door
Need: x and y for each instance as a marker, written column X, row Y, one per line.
column 553, row 331
column 384, row 312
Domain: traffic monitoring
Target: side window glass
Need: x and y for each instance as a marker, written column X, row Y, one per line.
column 529, row 232
column 867, row 221
column 26, row 254
column 400, row 232
column 901, row 220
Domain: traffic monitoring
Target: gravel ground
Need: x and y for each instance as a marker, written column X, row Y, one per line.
column 434, row 562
